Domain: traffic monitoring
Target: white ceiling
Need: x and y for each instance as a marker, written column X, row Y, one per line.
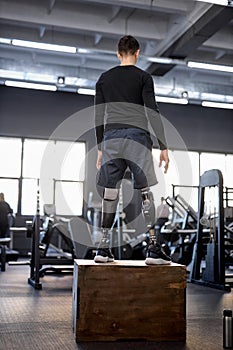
column 184, row 30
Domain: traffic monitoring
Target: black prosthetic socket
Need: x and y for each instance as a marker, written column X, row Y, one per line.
column 109, row 213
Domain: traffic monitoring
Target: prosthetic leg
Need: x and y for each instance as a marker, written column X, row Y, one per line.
column 155, row 254
column 109, row 206
column 148, row 210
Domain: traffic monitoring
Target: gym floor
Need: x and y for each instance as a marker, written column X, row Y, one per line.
column 42, row 319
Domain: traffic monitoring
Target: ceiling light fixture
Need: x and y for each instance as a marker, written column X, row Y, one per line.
column 25, row 85
column 216, row 2
column 83, row 91
column 44, row 46
column 165, row 60
column 209, row 66
column 217, row 104
column 5, row 41
column 80, row 50
column 165, row 99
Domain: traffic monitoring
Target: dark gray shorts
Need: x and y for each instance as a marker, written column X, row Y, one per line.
column 122, row 148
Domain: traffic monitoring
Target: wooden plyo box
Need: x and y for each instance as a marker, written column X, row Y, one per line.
column 128, row 300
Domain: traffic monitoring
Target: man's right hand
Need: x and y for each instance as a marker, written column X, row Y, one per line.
column 164, row 158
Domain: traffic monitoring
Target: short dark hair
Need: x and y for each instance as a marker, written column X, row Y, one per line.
column 128, row 45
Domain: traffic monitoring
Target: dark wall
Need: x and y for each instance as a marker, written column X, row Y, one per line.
column 33, row 113
column 202, row 128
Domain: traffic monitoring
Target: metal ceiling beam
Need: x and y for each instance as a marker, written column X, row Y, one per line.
column 78, row 17
column 23, row 58
column 200, row 31
column 51, row 6
column 41, row 31
column 168, row 6
column 97, row 25
column 115, row 12
column 221, row 40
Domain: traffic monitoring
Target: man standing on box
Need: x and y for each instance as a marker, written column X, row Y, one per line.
column 124, row 106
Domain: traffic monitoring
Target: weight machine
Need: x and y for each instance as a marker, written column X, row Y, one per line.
column 213, row 252
column 47, row 257
column 179, row 232
column 39, row 256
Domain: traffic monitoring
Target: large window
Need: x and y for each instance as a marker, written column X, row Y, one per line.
column 55, row 168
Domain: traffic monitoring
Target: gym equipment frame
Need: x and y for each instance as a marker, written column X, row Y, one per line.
column 214, row 275
column 36, row 262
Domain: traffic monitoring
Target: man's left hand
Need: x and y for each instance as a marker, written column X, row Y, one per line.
column 99, row 158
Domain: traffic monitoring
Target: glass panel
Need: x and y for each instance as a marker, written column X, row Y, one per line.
column 228, row 180
column 210, row 161
column 71, row 160
column 10, row 190
column 49, row 161
column 46, row 192
column 32, row 158
column 188, row 165
column 29, row 197
column 164, row 188
column 183, row 170
column 10, row 155
column 211, row 205
column 69, row 198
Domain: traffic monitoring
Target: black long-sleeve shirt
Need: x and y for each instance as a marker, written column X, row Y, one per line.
column 125, row 98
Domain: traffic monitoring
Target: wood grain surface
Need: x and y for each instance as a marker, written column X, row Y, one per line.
column 129, row 300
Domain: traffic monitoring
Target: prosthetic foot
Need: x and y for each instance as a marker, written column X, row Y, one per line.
column 155, row 254
column 104, row 253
